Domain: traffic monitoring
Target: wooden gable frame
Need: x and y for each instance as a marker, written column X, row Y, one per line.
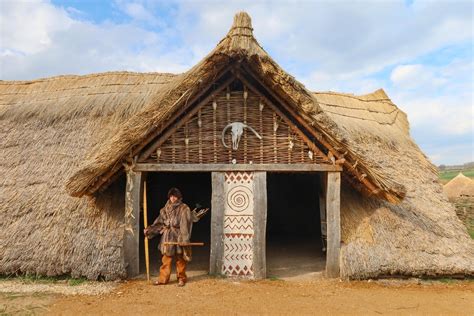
column 321, row 158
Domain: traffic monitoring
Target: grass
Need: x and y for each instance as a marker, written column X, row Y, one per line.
column 447, row 175
column 470, row 230
column 74, row 282
column 40, row 279
column 447, row 280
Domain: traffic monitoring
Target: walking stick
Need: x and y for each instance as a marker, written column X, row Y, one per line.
column 145, row 222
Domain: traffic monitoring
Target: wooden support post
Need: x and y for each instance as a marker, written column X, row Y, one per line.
column 217, row 223
column 132, row 223
column 333, row 204
column 260, row 224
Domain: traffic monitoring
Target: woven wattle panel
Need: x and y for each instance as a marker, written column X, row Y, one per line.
column 199, row 139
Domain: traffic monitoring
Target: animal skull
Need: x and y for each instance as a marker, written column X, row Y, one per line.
column 237, row 129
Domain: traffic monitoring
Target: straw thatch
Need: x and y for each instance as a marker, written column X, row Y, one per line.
column 47, row 127
column 78, row 129
column 459, row 186
column 239, row 46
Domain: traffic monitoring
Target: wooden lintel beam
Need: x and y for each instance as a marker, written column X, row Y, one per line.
column 236, row 167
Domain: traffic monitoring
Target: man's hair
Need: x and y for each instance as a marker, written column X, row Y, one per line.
column 175, row 192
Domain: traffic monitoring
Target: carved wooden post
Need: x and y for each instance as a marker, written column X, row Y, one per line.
column 239, row 216
column 132, row 223
column 333, row 224
column 217, row 223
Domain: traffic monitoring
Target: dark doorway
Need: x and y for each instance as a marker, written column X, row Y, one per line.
column 294, row 244
column 196, row 190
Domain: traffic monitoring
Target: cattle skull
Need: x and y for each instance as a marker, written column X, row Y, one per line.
column 237, row 129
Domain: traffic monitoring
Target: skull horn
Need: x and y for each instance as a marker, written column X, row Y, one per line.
column 254, row 131
column 223, row 134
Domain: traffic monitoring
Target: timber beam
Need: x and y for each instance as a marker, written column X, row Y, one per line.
column 236, row 167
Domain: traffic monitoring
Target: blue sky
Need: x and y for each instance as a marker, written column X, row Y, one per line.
column 420, row 52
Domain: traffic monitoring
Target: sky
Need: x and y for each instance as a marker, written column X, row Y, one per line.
column 419, row 52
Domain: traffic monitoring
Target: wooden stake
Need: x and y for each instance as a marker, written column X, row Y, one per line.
column 145, row 222
column 183, row 244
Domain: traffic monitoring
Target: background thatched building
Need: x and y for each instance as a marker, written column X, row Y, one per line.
column 68, row 142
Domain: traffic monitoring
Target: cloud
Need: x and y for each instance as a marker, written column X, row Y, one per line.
column 26, row 27
column 412, row 51
column 59, row 44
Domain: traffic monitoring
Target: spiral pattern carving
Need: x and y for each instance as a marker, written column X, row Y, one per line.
column 238, row 198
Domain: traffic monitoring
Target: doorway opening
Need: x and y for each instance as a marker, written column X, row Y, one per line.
column 196, row 189
column 294, row 244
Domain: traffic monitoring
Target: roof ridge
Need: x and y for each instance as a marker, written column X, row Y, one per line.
column 358, row 97
column 85, row 76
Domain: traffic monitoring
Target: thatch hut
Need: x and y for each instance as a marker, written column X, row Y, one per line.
column 459, row 186
column 75, row 151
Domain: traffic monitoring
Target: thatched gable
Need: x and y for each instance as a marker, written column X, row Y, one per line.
column 239, row 46
column 76, row 129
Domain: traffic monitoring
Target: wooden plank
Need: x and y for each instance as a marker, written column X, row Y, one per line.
column 236, row 167
column 260, row 224
column 131, row 232
column 217, row 223
column 333, row 209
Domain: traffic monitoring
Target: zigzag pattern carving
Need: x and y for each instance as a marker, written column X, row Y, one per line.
column 238, row 227
column 238, row 219
column 244, row 256
column 237, row 248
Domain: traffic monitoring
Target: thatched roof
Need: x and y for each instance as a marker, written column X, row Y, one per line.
column 74, row 129
column 459, row 186
column 47, row 127
column 238, row 46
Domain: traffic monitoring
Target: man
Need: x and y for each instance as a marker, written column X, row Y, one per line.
column 174, row 224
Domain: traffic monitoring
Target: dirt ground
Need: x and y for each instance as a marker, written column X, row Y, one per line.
column 214, row 296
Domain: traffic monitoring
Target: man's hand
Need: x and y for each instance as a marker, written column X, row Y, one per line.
column 202, row 212
column 196, row 216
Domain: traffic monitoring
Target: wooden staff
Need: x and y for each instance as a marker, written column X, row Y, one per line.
column 183, row 244
column 145, row 222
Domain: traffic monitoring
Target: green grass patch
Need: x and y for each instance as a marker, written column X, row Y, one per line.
column 447, row 280
column 447, row 175
column 75, row 282
column 40, row 279
column 471, row 233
